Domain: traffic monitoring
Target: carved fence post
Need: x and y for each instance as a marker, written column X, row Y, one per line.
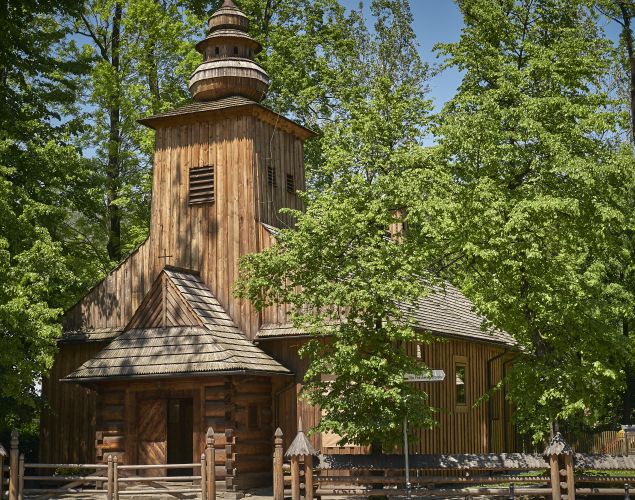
column 21, row 477
column 13, row 466
column 278, row 473
column 210, row 458
column 301, row 447
column 229, row 459
column 561, row 455
column 203, row 477
column 110, row 477
column 3, row 455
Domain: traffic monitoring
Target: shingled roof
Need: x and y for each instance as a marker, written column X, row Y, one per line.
column 445, row 311
column 226, row 105
column 215, row 345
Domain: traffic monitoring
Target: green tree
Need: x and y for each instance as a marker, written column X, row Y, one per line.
column 341, row 273
column 141, row 54
column 622, row 12
column 42, row 182
column 537, row 191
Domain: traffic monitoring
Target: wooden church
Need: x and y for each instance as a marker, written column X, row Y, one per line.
column 160, row 350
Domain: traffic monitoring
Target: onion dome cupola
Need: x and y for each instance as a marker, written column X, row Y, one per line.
column 228, row 67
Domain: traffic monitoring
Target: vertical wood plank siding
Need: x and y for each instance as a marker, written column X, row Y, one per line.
column 457, row 432
column 208, row 238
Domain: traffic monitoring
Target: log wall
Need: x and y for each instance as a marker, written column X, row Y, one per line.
column 240, row 403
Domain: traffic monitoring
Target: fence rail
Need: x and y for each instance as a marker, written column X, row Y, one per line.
column 112, row 480
column 558, row 473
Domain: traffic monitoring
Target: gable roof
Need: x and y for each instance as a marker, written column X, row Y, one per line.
column 216, row 345
column 198, row 110
column 163, row 306
column 445, row 312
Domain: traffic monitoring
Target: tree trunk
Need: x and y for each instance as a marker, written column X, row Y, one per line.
column 628, row 39
column 627, row 409
column 113, row 171
column 627, row 13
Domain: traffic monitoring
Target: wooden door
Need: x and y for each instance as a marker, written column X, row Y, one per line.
column 152, row 434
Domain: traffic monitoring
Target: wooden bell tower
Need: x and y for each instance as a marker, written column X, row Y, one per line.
column 223, row 166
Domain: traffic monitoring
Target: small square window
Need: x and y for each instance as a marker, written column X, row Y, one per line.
column 290, row 184
column 201, row 189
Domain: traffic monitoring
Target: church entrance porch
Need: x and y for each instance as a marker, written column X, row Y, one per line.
column 164, row 421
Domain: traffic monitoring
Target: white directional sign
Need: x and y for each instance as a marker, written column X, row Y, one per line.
column 433, row 376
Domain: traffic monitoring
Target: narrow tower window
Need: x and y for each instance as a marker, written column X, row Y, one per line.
column 217, row 51
column 290, row 184
column 235, row 51
column 201, row 185
column 271, row 175
column 460, row 382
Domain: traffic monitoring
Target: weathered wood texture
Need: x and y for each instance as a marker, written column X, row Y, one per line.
column 131, row 430
column 67, row 430
column 208, row 238
column 461, row 429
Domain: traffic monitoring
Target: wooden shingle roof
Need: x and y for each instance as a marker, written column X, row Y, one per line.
column 445, row 311
column 214, row 346
column 227, row 105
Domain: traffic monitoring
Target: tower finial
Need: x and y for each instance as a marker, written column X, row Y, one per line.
column 228, row 67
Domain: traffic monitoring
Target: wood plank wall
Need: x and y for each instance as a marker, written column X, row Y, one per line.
column 67, row 429
column 208, row 238
column 462, row 430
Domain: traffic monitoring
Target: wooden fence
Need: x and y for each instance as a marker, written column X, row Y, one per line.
column 112, row 479
column 558, row 473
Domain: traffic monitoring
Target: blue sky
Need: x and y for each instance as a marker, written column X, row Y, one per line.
column 435, row 21
column 438, row 21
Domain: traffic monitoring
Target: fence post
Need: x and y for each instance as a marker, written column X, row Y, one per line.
column 115, row 478
column 555, row 477
column 295, row 477
column 301, row 447
column 203, row 477
column 568, row 467
column 21, row 477
column 211, row 464
column 109, row 485
column 3, row 454
column 308, row 477
column 229, row 459
column 559, row 452
column 13, row 466
column 278, row 473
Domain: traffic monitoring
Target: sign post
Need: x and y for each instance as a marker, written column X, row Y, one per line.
column 431, row 376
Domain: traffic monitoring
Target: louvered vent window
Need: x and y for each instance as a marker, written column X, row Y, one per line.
column 290, row 184
column 271, row 175
column 201, row 185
